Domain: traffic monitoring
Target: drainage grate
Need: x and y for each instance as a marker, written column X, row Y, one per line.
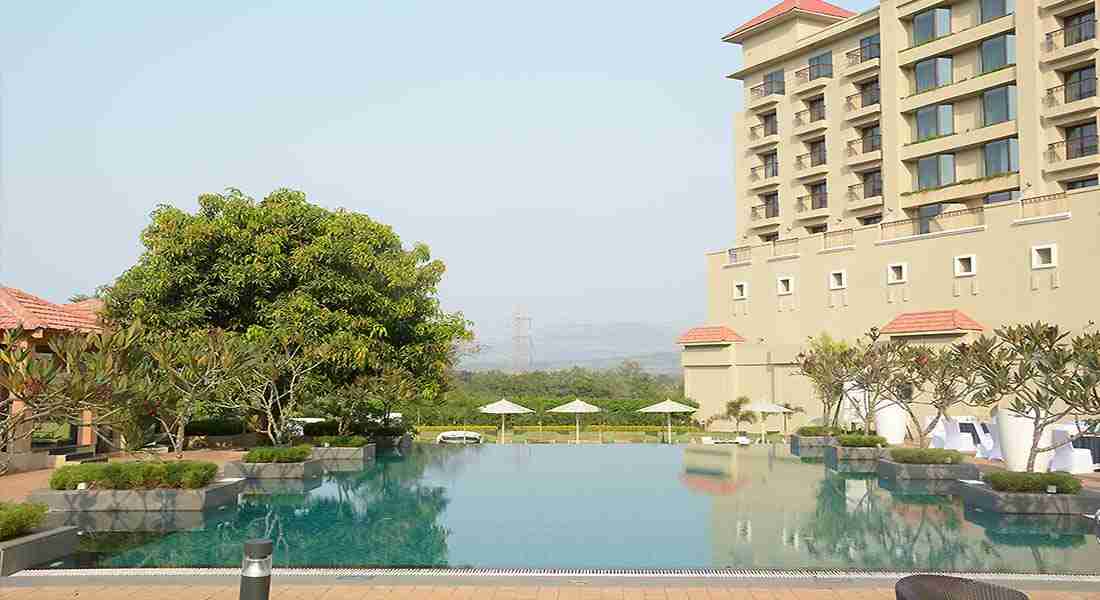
column 803, row 574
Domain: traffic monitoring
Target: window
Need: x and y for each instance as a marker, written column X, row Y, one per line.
column 935, row 121
column 871, row 220
column 740, row 290
column 838, row 280
column 869, row 93
column 784, row 286
column 768, row 238
column 995, row 9
column 1044, row 257
column 815, row 229
column 1079, row 27
column 998, row 52
column 770, row 202
column 821, row 65
column 935, row 171
column 817, row 108
column 933, row 73
column 871, row 137
column 770, row 123
column 773, row 83
column 869, row 48
column 1002, row 156
column 817, row 153
column 1005, row 196
column 1083, row 183
column 966, row 265
column 999, row 105
column 926, row 216
column 1081, row 140
column 897, row 273
column 819, row 195
column 771, row 164
column 1081, row 84
column 872, row 184
column 931, row 24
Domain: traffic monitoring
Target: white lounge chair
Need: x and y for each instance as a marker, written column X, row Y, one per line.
column 1066, row 457
column 707, row 440
column 990, row 448
column 742, row 440
column 955, row 439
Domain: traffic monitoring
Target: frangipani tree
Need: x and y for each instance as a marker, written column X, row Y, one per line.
column 826, row 363
column 940, row 378
column 875, row 374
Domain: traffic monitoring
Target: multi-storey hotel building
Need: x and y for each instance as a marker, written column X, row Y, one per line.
column 927, row 167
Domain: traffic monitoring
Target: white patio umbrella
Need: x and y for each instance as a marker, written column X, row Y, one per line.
column 668, row 407
column 504, row 407
column 764, row 408
column 577, row 407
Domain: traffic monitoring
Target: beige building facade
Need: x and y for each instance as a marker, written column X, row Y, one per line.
column 924, row 166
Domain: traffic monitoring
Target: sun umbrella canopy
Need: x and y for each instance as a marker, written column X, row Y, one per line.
column 668, row 406
column 765, row 407
column 576, row 406
column 504, row 407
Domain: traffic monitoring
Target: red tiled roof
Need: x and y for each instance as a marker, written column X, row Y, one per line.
column 818, row 7
column 932, row 321
column 709, row 335
column 20, row 308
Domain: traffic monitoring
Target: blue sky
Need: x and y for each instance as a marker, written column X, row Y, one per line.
column 573, row 157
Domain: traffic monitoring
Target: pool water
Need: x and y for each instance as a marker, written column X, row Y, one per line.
column 597, row 506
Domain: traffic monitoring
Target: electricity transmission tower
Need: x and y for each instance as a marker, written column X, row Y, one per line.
column 521, row 342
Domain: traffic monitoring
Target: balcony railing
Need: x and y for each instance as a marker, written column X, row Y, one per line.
column 765, row 171
column 813, row 201
column 1042, row 206
column 810, row 159
column 810, row 115
column 740, row 255
column 839, row 239
column 948, row 221
column 785, row 247
column 765, row 211
column 1071, row 148
column 862, row 54
column 763, row 130
column 865, row 144
column 767, row 88
column 1071, row 92
column 863, row 191
column 812, row 72
column 1074, row 34
column 863, row 99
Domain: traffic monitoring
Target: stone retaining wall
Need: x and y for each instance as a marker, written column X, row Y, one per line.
column 310, row 469
column 37, row 548
column 976, row 495
column 214, row 495
column 888, row 469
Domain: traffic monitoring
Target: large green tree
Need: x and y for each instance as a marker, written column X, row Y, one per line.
column 283, row 266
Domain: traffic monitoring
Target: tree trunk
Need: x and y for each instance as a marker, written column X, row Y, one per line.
column 179, row 441
column 1035, row 437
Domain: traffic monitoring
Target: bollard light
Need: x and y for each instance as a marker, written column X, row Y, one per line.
column 256, row 570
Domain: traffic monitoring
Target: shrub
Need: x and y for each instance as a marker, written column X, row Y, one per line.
column 323, row 428
column 858, row 440
column 279, row 454
column 1033, row 483
column 927, row 456
column 215, row 427
column 17, row 519
column 341, row 441
column 143, row 475
column 817, row 430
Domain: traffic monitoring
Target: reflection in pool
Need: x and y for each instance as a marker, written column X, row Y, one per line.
column 589, row 506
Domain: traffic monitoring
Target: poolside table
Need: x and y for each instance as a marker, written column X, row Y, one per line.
column 942, row 587
column 1089, row 442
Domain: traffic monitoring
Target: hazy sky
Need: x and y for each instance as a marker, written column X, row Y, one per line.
column 571, row 156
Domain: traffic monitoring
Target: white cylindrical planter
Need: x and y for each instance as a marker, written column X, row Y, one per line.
column 890, row 420
column 1016, row 432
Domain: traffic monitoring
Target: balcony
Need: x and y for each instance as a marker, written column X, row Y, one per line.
column 1072, row 42
column 763, row 134
column 765, row 94
column 1039, row 207
column 862, row 104
column 953, row 43
column 810, row 120
column 764, row 175
column 739, row 256
column 864, row 150
column 764, row 215
column 812, row 206
column 810, row 164
column 862, row 60
column 956, row 142
column 1072, row 153
column 1070, row 100
column 965, row 88
column 812, row 77
column 862, row 196
column 956, row 221
column 962, row 190
column 839, row 239
column 787, row 248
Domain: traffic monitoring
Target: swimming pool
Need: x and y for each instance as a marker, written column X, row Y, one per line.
column 592, row 506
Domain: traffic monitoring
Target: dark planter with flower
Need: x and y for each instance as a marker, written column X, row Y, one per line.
column 855, row 453
column 1030, row 493
column 925, row 463
column 811, row 441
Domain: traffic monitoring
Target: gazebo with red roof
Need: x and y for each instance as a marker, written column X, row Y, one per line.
column 932, row 322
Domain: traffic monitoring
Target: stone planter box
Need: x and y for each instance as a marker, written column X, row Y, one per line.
column 156, row 521
column 37, row 548
column 810, row 446
column 981, row 496
column 212, row 496
column 852, row 460
column 901, row 488
column 364, row 454
column 309, row 469
column 888, row 469
column 393, row 441
column 343, row 466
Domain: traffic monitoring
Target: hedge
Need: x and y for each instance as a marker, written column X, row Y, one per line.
column 818, row 431
column 185, row 474
column 214, row 427
column 927, row 456
column 18, row 519
column 279, row 454
column 858, row 440
column 341, row 441
column 1033, row 483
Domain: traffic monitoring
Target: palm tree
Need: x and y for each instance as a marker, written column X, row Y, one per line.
column 735, row 412
column 794, row 410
